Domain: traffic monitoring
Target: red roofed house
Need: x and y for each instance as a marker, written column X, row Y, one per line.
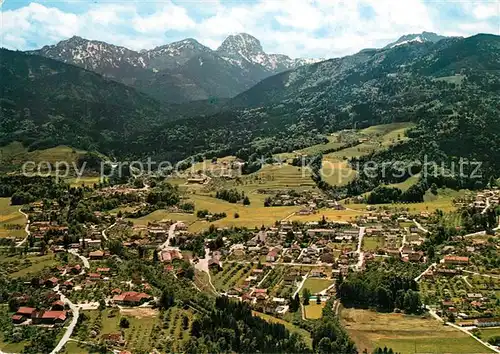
column 18, row 319
column 131, row 298
column 113, row 339
column 271, row 256
column 50, row 317
column 68, row 285
column 22, row 314
column 456, row 260
column 51, row 282
column 58, row 305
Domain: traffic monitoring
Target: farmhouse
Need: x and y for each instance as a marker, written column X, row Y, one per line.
column 131, row 298
column 22, row 314
column 50, row 317
column 96, row 255
column 456, row 260
column 487, row 322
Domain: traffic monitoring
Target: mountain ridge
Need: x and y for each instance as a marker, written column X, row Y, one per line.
column 162, row 71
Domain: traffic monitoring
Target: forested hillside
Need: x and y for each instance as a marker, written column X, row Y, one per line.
column 45, row 103
column 450, row 89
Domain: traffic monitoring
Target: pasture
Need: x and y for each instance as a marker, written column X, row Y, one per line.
column 443, row 201
column 373, row 139
column 406, row 334
column 12, row 222
column 253, row 215
column 314, row 311
column 30, row 265
column 277, row 177
column 15, row 154
column 315, row 285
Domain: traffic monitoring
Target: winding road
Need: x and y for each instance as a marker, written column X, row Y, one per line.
column 26, row 229
column 69, row 331
column 106, row 229
column 84, row 259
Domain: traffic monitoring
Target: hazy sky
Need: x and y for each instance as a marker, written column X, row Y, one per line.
column 298, row 28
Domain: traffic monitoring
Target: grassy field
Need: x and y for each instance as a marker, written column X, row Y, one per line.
column 292, row 328
column 12, row 347
column 232, row 275
column 488, row 333
column 330, row 215
column 15, row 154
column 159, row 215
column 442, row 201
column 139, row 335
column 405, row 185
column 406, row 334
column 273, row 177
column 253, row 215
column 337, row 173
column 314, row 311
column 375, row 138
column 12, row 222
column 373, row 243
column 34, row 264
column 84, row 181
column 315, row 285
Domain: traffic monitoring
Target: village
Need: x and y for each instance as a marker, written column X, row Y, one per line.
column 272, row 268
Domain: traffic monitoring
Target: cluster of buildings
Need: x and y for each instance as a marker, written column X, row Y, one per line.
column 311, row 201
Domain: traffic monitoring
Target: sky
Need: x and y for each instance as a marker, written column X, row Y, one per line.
column 298, row 28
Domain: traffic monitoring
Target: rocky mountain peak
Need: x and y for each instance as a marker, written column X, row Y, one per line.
column 416, row 38
column 241, row 44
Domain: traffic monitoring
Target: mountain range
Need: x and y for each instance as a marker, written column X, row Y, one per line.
column 178, row 72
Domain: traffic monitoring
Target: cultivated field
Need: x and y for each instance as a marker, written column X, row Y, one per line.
column 12, row 222
column 277, row 177
column 406, row 334
column 232, row 275
column 144, row 330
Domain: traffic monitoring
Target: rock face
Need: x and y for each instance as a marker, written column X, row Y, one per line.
column 177, row 72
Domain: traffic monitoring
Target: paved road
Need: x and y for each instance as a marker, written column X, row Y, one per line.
column 404, row 241
column 84, row 259
column 104, row 231
column 171, row 234
column 26, row 229
column 301, row 284
column 69, row 330
column 461, row 329
column 420, row 227
column 425, row 271
column 361, row 255
column 202, row 266
column 487, row 206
